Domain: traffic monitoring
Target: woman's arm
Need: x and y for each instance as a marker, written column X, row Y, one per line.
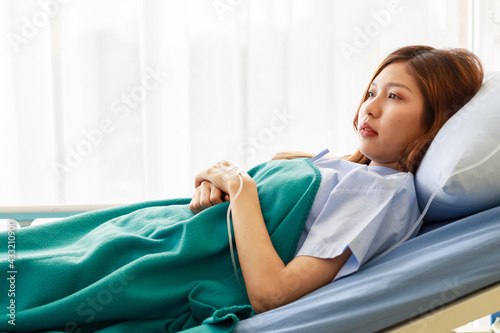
column 268, row 281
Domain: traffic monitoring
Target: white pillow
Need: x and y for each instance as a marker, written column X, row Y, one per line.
column 466, row 139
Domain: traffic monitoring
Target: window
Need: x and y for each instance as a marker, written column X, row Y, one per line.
column 120, row 101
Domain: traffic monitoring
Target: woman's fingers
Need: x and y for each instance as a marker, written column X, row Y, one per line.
column 200, row 177
column 206, row 195
column 210, row 196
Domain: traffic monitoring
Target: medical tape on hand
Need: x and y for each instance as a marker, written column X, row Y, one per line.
column 227, row 170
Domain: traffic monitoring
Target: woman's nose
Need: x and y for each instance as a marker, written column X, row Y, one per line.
column 372, row 107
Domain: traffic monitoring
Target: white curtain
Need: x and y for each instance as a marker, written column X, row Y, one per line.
column 487, row 32
column 116, row 101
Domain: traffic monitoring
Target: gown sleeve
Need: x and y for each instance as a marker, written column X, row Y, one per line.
column 367, row 211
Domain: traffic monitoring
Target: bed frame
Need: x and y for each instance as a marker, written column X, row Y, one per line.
column 443, row 320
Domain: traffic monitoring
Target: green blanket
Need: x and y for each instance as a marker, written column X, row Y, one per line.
column 148, row 267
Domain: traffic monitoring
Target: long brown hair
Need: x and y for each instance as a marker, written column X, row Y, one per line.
column 447, row 78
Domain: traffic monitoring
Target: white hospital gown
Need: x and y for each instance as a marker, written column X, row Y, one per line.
column 365, row 208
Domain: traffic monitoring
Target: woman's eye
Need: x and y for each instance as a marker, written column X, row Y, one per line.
column 394, row 96
column 371, row 94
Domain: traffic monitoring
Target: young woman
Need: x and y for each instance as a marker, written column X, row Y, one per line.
column 366, row 202
column 156, row 266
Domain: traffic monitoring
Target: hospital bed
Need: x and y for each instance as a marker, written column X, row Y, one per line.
column 446, row 276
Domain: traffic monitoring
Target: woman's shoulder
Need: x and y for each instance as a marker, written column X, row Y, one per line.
column 363, row 177
column 342, row 165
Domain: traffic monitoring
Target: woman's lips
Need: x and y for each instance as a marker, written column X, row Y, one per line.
column 365, row 130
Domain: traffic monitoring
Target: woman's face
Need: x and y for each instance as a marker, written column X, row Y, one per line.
column 390, row 118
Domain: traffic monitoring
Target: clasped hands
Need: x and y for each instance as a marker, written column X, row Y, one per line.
column 216, row 185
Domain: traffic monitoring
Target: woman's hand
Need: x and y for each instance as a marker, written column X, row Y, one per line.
column 215, row 185
column 205, row 196
column 223, row 175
